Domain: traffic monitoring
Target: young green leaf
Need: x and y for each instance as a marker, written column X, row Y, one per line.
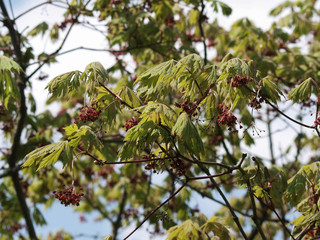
column 302, row 92
column 64, row 85
column 271, row 90
column 159, row 113
column 130, row 97
column 219, row 230
column 89, row 138
column 9, row 65
column 187, row 230
column 226, row 10
column 236, row 66
column 45, row 156
column 187, row 134
column 40, row 28
column 156, row 79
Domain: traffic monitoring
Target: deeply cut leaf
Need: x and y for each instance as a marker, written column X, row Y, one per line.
column 302, row 92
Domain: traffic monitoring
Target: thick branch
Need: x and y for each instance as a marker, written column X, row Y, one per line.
column 20, row 120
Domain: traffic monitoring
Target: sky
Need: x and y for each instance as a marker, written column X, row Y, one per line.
column 60, row 217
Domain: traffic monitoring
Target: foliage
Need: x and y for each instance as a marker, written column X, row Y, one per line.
column 138, row 144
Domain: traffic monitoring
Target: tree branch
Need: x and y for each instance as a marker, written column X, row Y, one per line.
column 156, row 209
column 202, row 32
column 20, row 120
column 235, row 217
column 117, row 224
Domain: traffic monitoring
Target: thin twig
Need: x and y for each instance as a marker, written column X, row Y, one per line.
column 254, row 207
column 202, row 32
column 235, row 217
column 32, row 8
column 157, row 208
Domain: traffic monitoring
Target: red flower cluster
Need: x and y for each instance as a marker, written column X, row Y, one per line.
column 215, row 140
column 89, row 113
column 15, row 228
column 226, row 117
column 238, row 81
column 65, row 22
column 313, row 233
column 130, row 123
column 2, row 111
column 317, row 122
column 151, row 165
column 256, row 103
column 188, row 107
column 68, row 196
column 178, row 167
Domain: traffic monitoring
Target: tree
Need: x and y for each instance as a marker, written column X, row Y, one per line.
column 178, row 116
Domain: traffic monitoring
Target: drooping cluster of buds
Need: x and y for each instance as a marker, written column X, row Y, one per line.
column 215, row 140
column 106, row 171
column 225, row 117
column 130, row 123
column 169, row 21
column 89, row 113
column 152, row 165
column 313, row 233
column 256, row 102
column 68, row 196
column 238, row 81
column 65, row 22
column 178, row 167
column 2, row 111
column 188, row 107
column 7, row 125
column 15, row 228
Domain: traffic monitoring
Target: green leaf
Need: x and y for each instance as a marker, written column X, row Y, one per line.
column 40, row 28
column 226, row 10
column 193, row 62
column 111, row 106
column 8, row 65
column 93, row 75
column 159, row 113
column 212, row 225
column 187, row 134
column 298, row 184
column 45, row 156
column 109, row 237
column 236, row 66
column 302, row 91
column 156, row 79
column 89, row 138
column 38, row 217
column 54, row 33
column 187, row 230
column 130, row 97
column 271, row 90
column 8, row 86
column 66, row 84
column 95, row 72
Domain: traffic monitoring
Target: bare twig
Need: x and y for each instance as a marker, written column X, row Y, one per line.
column 202, row 32
column 157, row 208
column 235, row 217
column 117, row 224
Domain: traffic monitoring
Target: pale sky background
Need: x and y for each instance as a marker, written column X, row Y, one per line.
column 59, row 216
